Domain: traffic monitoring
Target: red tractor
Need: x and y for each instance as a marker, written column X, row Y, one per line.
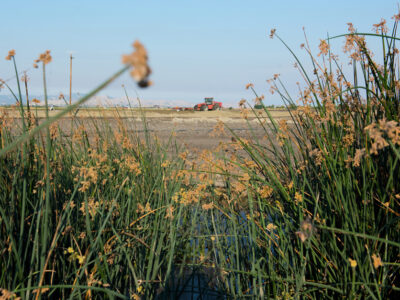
column 208, row 104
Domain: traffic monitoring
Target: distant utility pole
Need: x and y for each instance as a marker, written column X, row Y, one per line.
column 70, row 79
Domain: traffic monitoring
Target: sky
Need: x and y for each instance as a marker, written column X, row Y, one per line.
column 196, row 49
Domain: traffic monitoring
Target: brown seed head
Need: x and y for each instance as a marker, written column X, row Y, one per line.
column 5, row 294
column 207, row 206
column 351, row 28
column 376, row 261
column 298, row 198
column 323, row 47
column 138, row 60
column 358, row 156
column 272, row 33
column 396, row 17
column 380, row 27
column 307, row 229
column 249, row 85
column 11, row 53
column 44, row 57
column 353, row 263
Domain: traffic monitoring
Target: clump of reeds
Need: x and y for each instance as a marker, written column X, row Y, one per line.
column 310, row 211
column 323, row 189
column 85, row 215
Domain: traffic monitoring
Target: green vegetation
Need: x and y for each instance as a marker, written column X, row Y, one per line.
column 311, row 212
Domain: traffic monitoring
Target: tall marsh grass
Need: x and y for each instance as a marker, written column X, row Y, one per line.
column 323, row 194
column 311, row 211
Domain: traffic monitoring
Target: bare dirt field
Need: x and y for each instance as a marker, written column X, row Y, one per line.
column 195, row 130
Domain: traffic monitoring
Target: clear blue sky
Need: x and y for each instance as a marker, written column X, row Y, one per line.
column 197, row 48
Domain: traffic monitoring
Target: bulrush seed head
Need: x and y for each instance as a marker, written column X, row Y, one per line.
column 351, row 28
column 242, row 102
column 138, row 61
column 396, row 17
column 11, row 53
column 353, row 263
column 272, row 33
column 249, row 85
column 376, row 261
column 307, row 229
column 323, row 47
column 44, row 57
column 380, row 27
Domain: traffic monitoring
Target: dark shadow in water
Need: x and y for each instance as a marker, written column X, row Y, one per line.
column 191, row 283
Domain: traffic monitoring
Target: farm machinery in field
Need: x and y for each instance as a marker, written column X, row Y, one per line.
column 208, row 104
